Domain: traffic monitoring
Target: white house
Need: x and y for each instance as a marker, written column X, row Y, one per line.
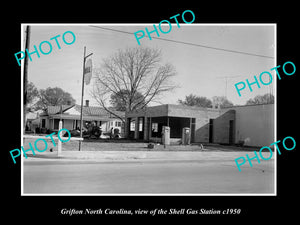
column 70, row 115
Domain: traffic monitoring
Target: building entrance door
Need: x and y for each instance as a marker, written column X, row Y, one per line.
column 211, row 123
column 141, row 128
column 231, row 132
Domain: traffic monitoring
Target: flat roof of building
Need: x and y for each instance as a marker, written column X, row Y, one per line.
column 179, row 110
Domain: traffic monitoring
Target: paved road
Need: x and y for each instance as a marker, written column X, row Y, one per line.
column 154, row 177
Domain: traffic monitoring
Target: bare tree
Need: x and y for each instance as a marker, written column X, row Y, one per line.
column 132, row 71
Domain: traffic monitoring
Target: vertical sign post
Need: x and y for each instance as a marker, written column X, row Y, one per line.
column 60, row 137
column 82, row 93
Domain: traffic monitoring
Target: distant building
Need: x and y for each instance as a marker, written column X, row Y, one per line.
column 32, row 121
column 251, row 125
column 49, row 119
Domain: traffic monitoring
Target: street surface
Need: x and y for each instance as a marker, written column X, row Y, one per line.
column 194, row 176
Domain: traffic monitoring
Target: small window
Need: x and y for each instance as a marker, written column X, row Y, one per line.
column 132, row 125
column 154, row 127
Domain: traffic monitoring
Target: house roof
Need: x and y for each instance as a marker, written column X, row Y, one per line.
column 56, row 109
column 92, row 111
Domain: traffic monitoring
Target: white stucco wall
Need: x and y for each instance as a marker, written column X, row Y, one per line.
column 255, row 124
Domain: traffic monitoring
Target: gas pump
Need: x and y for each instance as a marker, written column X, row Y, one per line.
column 165, row 135
column 186, row 136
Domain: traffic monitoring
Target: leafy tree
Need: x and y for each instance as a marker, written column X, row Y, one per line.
column 54, row 96
column 32, row 97
column 261, row 99
column 193, row 100
column 221, row 101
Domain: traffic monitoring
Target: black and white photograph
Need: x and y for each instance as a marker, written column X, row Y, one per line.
column 162, row 116
column 137, row 112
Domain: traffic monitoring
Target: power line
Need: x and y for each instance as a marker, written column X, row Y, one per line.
column 192, row 44
column 105, row 28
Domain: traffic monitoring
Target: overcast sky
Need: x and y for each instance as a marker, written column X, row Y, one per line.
column 200, row 71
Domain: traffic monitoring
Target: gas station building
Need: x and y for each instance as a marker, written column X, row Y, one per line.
column 251, row 124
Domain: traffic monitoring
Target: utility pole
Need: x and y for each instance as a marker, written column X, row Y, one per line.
column 82, row 93
column 25, row 77
column 60, row 135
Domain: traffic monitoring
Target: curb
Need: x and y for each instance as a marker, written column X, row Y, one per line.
column 136, row 156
